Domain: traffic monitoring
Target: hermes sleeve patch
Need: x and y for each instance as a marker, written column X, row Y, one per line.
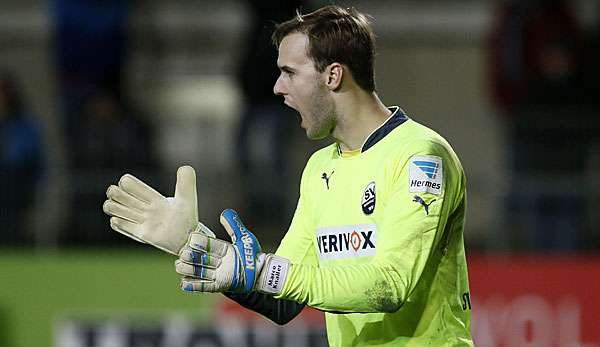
column 426, row 175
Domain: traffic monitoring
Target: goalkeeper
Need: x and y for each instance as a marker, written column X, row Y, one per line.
column 376, row 241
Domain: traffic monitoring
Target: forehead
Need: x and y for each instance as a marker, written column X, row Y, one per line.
column 292, row 51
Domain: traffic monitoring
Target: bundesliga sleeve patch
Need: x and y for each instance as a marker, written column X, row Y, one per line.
column 426, row 175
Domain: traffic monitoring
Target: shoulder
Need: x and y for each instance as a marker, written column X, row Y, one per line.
column 413, row 145
column 322, row 157
column 415, row 138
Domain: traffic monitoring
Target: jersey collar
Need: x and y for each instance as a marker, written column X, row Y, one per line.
column 397, row 117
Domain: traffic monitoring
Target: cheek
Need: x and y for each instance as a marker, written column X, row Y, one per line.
column 305, row 91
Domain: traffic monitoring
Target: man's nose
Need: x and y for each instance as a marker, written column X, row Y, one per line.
column 278, row 87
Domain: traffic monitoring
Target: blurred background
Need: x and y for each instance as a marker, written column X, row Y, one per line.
column 90, row 90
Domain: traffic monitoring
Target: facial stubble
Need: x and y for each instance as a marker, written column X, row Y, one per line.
column 323, row 114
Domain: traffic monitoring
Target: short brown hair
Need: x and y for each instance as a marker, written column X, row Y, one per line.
column 336, row 34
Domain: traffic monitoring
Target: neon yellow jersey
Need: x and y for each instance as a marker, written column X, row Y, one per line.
column 377, row 240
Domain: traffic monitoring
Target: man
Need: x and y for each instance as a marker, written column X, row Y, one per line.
column 377, row 237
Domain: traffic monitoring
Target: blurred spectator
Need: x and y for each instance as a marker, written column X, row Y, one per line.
column 536, row 55
column 21, row 162
column 537, row 64
column 111, row 139
column 104, row 136
column 265, row 120
column 90, row 39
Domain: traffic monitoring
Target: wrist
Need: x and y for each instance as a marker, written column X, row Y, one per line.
column 273, row 274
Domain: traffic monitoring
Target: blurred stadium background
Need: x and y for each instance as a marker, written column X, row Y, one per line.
column 92, row 89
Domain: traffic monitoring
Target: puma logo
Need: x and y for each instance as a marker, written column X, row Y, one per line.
column 326, row 178
column 422, row 202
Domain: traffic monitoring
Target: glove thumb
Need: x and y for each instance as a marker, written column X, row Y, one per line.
column 185, row 187
column 232, row 224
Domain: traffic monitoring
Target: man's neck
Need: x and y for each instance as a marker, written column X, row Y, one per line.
column 358, row 115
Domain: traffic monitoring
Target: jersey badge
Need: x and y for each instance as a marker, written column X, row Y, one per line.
column 426, row 175
column 368, row 199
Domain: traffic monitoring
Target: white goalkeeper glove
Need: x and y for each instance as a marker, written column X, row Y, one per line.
column 143, row 214
column 212, row 265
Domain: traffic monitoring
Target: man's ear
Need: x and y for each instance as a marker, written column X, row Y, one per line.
column 335, row 72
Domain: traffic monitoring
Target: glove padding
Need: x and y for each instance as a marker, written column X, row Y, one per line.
column 212, row 265
column 143, row 214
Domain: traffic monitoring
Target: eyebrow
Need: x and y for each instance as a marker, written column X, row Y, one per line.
column 286, row 68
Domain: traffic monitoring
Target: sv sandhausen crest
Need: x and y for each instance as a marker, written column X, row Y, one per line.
column 368, row 199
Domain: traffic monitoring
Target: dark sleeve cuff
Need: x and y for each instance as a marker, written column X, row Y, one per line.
column 278, row 310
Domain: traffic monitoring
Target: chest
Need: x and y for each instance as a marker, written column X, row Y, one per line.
column 348, row 202
column 351, row 192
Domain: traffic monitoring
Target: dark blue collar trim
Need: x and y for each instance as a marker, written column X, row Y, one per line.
column 398, row 117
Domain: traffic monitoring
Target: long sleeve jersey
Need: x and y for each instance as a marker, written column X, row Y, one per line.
column 377, row 240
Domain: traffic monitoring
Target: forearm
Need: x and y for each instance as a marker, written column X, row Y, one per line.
column 349, row 289
column 279, row 311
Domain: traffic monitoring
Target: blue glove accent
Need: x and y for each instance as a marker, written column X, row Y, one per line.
column 248, row 249
column 202, row 260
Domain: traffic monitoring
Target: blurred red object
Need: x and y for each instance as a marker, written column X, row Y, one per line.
column 535, row 300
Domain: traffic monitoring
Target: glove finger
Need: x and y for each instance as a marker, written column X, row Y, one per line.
column 194, row 271
column 206, row 244
column 189, row 256
column 232, row 224
column 139, row 189
column 126, row 228
column 203, row 229
column 122, row 197
column 113, row 208
column 189, row 284
column 185, row 187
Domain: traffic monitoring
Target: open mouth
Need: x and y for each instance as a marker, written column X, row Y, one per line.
column 289, row 104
